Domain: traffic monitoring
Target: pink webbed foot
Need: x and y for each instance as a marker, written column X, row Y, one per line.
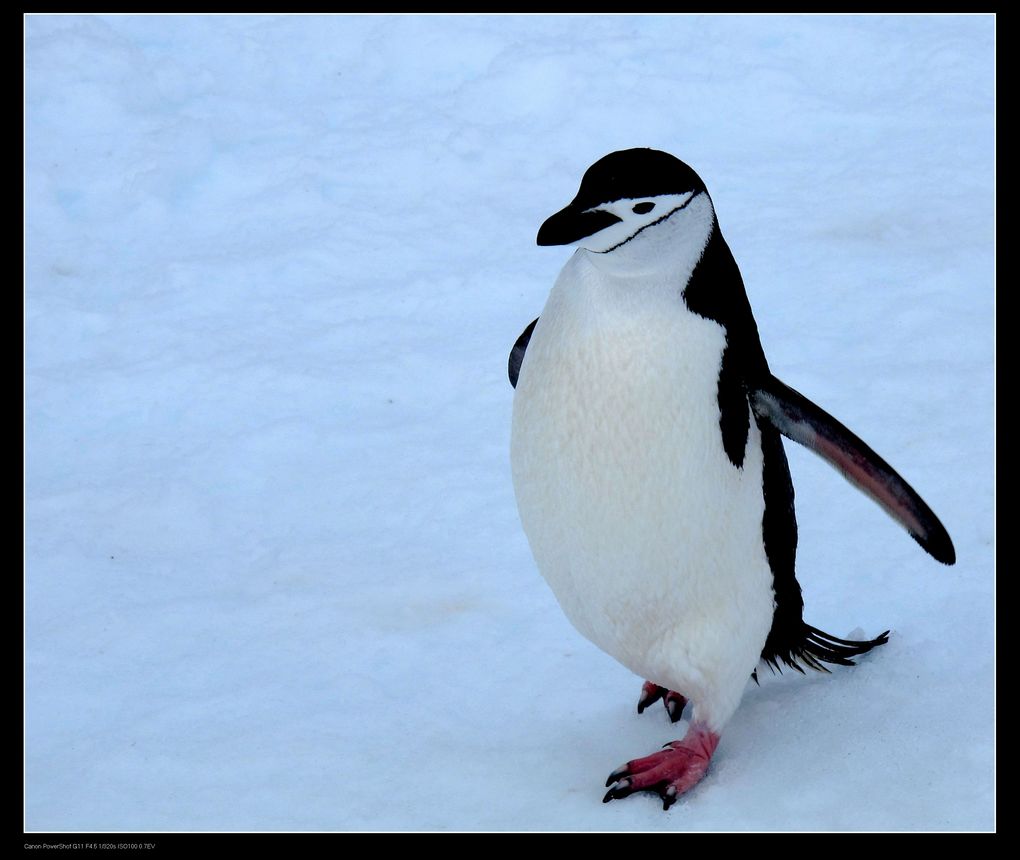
column 674, row 702
column 677, row 768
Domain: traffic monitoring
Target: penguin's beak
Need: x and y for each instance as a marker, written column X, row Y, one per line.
column 573, row 223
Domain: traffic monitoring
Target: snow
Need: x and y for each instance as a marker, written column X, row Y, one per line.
column 274, row 575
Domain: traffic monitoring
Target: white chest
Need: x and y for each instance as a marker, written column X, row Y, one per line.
column 648, row 535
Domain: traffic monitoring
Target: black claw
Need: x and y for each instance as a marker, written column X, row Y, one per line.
column 622, row 770
column 648, row 699
column 675, row 710
column 668, row 795
column 621, row 789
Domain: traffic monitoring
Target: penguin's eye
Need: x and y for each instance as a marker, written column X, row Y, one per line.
column 643, row 208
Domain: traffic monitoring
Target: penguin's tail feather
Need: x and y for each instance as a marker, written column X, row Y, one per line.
column 824, row 647
column 818, row 647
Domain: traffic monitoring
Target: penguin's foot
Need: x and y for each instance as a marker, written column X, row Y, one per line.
column 677, row 768
column 674, row 702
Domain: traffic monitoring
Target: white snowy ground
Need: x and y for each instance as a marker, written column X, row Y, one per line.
column 274, row 573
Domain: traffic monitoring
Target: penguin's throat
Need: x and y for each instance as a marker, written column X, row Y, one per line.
column 667, row 251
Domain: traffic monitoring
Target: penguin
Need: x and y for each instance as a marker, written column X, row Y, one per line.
column 648, row 462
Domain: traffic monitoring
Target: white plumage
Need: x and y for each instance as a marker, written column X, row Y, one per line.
column 648, row 536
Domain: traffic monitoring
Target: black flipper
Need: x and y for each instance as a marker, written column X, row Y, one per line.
column 799, row 419
column 517, row 353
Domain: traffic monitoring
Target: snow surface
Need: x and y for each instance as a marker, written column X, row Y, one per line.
column 275, row 578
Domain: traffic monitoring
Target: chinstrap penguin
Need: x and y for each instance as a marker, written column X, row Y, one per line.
column 648, row 466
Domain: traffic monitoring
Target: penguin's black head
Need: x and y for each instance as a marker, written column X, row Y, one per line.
column 634, row 188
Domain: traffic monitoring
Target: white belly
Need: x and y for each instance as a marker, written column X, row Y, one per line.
column 648, row 535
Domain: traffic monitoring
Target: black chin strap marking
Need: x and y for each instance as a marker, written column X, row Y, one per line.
column 652, row 224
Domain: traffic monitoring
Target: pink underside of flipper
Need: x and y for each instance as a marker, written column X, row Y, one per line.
column 669, row 772
column 864, row 475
